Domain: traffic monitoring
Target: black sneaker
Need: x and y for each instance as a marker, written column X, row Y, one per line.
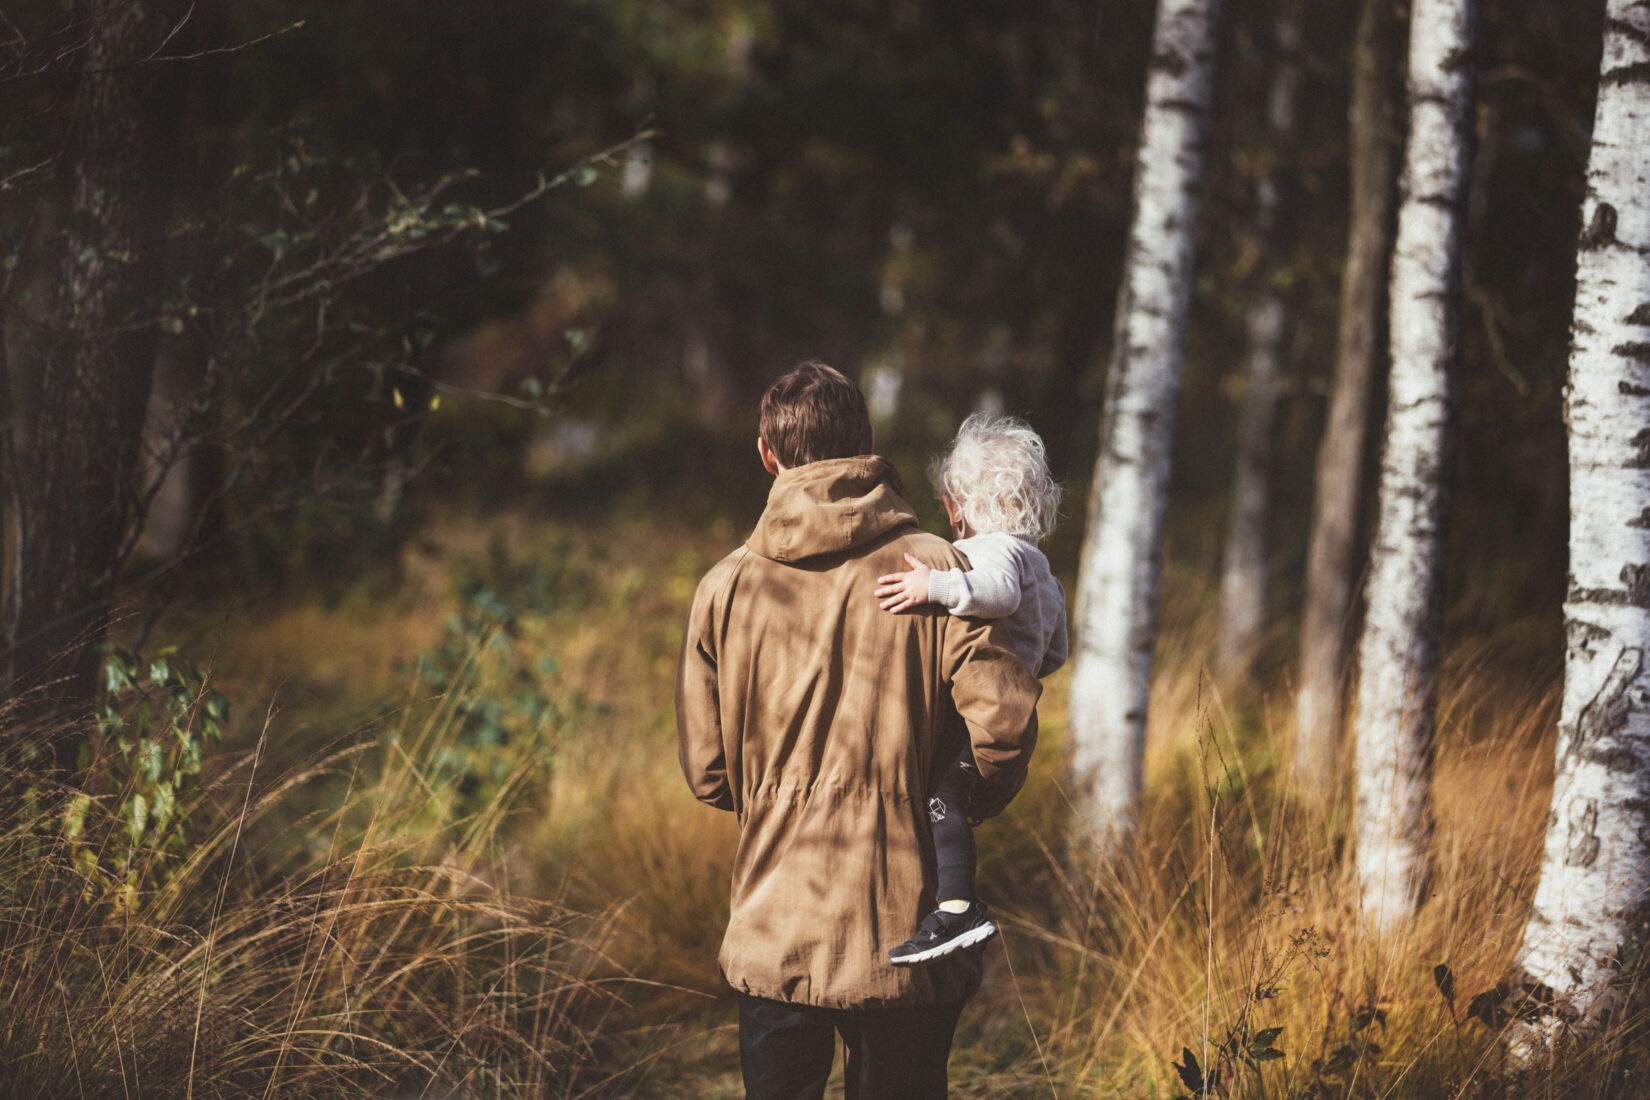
column 941, row 933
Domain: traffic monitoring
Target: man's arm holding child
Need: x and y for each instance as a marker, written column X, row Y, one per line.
column 997, row 700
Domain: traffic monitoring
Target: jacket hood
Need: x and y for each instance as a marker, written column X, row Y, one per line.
column 830, row 506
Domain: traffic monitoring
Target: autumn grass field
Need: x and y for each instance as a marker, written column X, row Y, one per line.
column 445, row 850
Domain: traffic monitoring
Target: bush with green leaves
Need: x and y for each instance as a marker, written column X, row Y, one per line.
column 156, row 719
column 499, row 705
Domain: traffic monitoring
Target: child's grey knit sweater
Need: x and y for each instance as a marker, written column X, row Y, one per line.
column 1009, row 580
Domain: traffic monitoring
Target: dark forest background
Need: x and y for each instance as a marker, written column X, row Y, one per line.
column 933, row 197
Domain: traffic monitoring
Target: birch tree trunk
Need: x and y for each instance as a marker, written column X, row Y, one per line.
column 1332, row 564
column 1117, row 579
column 1243, row 578
column 1398, row 654
column 1594, row 895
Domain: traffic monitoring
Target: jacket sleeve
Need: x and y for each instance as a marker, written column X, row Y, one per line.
column 997, row 700
column 988, row 589
column 698, row 705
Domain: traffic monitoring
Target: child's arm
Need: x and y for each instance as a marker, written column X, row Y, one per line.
column 990, row 590
column 900, row 591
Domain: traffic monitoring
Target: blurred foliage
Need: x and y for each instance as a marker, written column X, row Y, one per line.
column 933, row 196
column 500, row 706
column 336, row 277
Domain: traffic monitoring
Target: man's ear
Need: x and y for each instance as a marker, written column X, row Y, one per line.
column 770, row 461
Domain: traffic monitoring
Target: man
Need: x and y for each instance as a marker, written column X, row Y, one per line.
column 815, row 717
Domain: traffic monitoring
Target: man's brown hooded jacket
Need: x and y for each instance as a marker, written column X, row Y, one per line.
column 815, row 716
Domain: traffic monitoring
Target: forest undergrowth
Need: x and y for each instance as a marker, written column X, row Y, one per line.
column 494, row 882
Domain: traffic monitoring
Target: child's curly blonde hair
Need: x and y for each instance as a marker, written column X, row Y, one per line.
column 996, row 473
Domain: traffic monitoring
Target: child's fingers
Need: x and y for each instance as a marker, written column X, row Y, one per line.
column 912, row 562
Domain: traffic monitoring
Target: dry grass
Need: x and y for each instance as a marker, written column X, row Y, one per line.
column 1231, row 911
column 372, row 947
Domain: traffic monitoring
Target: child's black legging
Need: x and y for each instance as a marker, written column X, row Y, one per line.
column 953, row 836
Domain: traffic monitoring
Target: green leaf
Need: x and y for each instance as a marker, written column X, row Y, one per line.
column 587, row 176
column 1271, row 1054
column 116, row 678
column 166, row 804
column 74, row 816
column 149, row 760
column 159, row 670
column 137, row 817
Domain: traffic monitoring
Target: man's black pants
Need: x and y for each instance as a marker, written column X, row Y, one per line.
column 785, row 1050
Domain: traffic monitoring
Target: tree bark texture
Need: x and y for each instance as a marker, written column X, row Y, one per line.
column 179, row 470
column 1117, row 581
column 1332, row 561
column 72, row 484
column 1398, row 654
column 1594, row 896
column 1244, row 568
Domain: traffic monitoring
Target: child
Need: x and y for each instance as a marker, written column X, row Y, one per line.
column 1001, row 502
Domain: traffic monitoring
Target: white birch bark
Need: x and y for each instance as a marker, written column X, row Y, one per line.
column 1594, row 895
column 1117, row 579
column 1332, row 565
column 1398, row 653
column 1243, row 576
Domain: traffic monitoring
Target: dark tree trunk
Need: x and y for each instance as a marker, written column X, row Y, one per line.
column 72, row 483
column 1245, row 573
column 1333, row 563
column 181, row 461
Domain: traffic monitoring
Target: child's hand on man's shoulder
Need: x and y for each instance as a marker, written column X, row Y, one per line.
column 903, row 591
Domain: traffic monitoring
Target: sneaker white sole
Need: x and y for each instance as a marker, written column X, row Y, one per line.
column 967, row 939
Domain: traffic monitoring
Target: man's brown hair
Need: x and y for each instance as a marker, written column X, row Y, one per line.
column 812, row 413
